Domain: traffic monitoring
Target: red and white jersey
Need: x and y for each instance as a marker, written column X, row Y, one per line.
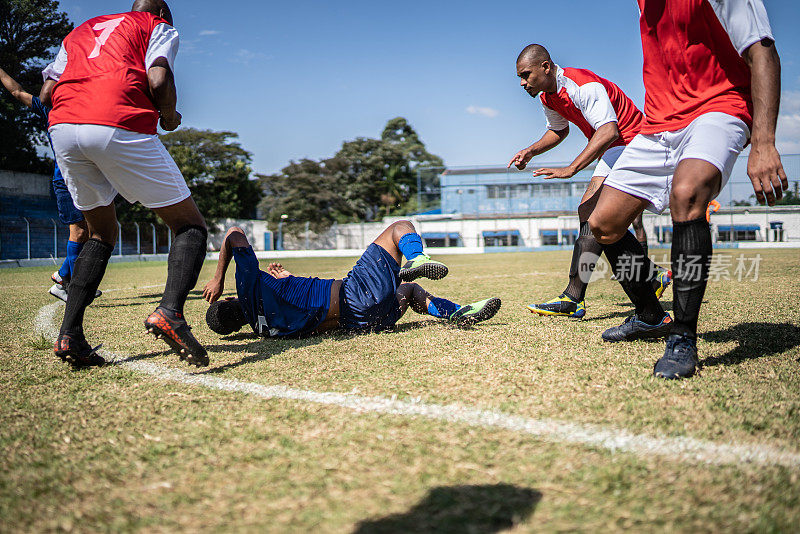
column 102, row 71
column 589, row 101
column 693, row 59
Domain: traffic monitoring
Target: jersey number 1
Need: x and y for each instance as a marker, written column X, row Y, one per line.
column 107, row 28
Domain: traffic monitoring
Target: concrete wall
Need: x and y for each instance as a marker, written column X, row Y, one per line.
column 24, row 184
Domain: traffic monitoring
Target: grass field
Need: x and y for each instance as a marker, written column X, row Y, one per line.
column 119, row 449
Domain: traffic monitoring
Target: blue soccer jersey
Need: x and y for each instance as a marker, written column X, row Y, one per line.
column 279, row 307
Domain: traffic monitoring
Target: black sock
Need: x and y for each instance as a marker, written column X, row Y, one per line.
column 691, row 256
column 644, row 248
column 89, row 270
column 584, row 257
column 631, row 269
column 183, row 266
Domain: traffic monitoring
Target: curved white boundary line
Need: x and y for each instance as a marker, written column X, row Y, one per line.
column 680, row 448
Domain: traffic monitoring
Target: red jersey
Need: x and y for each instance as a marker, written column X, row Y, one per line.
column 589, row 101
column 105, row 79
column 692, row 59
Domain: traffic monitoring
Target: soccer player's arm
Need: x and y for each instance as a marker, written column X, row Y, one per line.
column 557, row 131
column 16, row 90
column 159, row 62
column 233, row 238
column 747, row 25
column 596, row 107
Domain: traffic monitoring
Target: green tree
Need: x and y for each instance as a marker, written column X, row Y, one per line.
column 217, row 171
column 29, row 31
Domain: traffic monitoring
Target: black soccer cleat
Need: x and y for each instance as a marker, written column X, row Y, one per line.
column 634, row 328
column 176, row 332
column 75, row 350
column 679, row 359
column 423, row 266
column 476, row 312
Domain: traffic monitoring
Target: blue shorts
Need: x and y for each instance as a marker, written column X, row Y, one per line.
column 368, row 300
column 67, row 212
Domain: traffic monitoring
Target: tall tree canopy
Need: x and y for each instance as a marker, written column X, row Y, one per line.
column 29, row 32
column 364, row 181
column 217, row 171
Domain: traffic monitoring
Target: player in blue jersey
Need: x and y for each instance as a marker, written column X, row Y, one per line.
column 372, row 297
column 67, row 212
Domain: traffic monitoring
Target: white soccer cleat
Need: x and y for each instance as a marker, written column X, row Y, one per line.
column 58, row 291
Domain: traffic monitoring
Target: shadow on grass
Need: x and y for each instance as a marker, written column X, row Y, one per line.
column 755, row 340
column 474, row 509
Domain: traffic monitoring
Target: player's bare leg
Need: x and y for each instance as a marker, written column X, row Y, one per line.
column 694, row 184
column 401, row 239
column 185, row 261
column 615, row 211
column 90, row 267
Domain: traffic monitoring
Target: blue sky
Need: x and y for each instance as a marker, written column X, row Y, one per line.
column 295, row 79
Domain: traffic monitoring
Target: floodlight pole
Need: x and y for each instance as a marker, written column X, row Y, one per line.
column 307, row 235
column 153, row 226
column 138, row 240
column 55, row 239
column 28, row 233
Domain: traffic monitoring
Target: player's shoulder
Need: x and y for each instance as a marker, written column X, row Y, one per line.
column 580, row 76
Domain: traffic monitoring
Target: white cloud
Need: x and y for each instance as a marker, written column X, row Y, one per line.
column 245, row 56
column 788, row 131
column 486, row 112
column 210, row 32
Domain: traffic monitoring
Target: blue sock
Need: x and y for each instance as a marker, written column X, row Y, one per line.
column 442, row 308
column 73, row 249
column 410, row 245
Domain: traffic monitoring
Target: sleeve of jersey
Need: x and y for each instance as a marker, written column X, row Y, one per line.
column 247, row 272
column 55, row 69
column 745, row 21
column 554, row 121
column 164, row 43
column 595, row 105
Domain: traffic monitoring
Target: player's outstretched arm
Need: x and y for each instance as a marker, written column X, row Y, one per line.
column 165, row 96
column 597, row 145
column 233, row 238
column 549, row 140
column 764, row 165
column 16, row 90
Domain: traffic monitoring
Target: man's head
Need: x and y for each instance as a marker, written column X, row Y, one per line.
column 536, row 70
column 225, row 317
column 159, row 8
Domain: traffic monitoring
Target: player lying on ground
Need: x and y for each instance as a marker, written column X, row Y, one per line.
column 696, row 125
column 104, row 131
column 373, row 296
column 609, row 120
column 67, row 212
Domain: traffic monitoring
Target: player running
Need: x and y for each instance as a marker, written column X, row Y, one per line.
column 712, row 77
column 609, row 120
column 371, row 297
column 68, row 214
column 115, row 83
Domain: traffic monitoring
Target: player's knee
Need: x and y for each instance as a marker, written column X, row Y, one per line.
column 685, row 202
column 604, row 230
column 585, row 210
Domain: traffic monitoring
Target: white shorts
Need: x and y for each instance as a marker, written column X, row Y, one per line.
column 100, row 161
column 607, row 161
column 646, row 166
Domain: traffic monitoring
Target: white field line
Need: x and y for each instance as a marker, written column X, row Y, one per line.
column 615, row 440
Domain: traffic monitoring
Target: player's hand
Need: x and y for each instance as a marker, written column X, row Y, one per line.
column 520, row 159
column 213, row 290
column 555, row 172
column 277, row 270
column 765, row 170
column 171, row 122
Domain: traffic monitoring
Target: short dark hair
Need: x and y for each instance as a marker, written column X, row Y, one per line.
column 225, row 317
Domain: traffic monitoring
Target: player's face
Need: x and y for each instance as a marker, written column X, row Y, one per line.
column 533, row 77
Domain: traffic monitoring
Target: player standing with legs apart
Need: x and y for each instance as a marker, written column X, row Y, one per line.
column 115, row 80
column 67, row 212
column 711, row 76
column 609, row 120
column 372, row 297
